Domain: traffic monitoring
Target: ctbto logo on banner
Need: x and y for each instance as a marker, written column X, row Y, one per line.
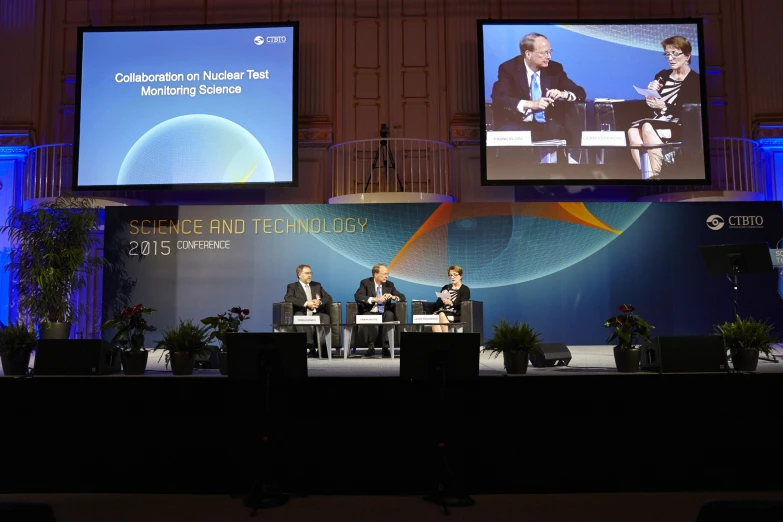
column 716, row 222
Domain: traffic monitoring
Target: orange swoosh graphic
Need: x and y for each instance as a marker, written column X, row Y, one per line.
column 576, row 213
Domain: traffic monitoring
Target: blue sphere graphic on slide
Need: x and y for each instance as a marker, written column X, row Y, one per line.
column 196, row 148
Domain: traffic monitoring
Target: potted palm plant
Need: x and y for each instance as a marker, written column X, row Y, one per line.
column 182, row 344
column 16, row 344
column 223, row 324
column 628, row 330
column 516, row 342
column 52, row 255
column 129, row 337
column 745, row 339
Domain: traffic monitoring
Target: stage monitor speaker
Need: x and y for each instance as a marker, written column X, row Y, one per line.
column 254, row 355
column 76, row 357
column 428, row 354
column 18, row 511
column 551, row 354
column 685, row 354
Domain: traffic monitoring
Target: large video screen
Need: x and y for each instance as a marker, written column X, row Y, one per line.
column 186, row 107
column 578, row 103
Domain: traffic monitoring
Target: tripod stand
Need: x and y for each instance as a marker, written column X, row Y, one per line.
column 387, row 162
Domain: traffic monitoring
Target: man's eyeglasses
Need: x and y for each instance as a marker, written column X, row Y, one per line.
column 544, row 53
column 673, row 55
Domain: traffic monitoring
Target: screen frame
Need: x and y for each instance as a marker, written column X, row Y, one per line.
column 294, row 25
column 699, row 22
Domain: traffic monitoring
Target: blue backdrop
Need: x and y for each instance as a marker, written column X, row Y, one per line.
column 562, row 267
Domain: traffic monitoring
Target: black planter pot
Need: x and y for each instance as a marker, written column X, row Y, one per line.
column 223, row 362
column 626, row 361
column 181, row 363
column 16, row 362
column 134, row 363
column 515, row 363
column 745, row 360
column 55, row 331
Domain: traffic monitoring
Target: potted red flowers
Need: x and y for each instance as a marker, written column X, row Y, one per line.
column 629, row 330
column 131, row 327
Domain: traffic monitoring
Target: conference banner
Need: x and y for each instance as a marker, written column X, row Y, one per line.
column 561, row 267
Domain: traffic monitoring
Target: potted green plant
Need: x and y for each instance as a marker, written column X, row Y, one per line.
column 52, row 256
column 17, row 342
column 182, row 344
column 745, row 339
column 628, row 329
column 130, row 326
column 223, row 324
column 516, row 342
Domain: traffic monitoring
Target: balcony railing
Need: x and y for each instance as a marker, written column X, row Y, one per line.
column 738, row 166
column 416, row 166
column 391, row 165
column 47, row 171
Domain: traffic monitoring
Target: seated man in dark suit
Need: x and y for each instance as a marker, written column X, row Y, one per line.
column 377, row 295
column 533, row 92
column 308, row 298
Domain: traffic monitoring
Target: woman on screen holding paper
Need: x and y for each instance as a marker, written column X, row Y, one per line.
column 676, row 86
column 450, row 299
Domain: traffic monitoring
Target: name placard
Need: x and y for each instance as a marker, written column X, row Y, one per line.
column 603, row 139
column 426, row 319
column 307, row 319
column 369, row 319
column 508, row 138
column 777, row 257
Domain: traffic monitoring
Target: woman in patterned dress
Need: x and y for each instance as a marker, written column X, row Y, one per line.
column 448, row 309
column 677, row 86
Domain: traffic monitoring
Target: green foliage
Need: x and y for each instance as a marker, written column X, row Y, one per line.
column 627, row 328
column 747, row 334
column 52, row 255
column 131, row 326
column 185, row 337
column 226, row 323
column 17, row 338
column 512, row 338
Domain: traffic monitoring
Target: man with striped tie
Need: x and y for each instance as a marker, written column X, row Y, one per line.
column 533, row 92
column 377, row 295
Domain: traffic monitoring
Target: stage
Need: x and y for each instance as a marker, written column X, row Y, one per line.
column 355, row 427
column 586, row 360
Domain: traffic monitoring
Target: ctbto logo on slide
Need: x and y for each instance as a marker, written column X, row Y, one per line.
column 715, row 222
column 258, row 40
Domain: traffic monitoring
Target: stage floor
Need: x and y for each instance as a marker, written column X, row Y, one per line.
column 586, row 360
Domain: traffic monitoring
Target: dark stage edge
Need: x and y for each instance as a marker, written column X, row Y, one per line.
column 585, row 433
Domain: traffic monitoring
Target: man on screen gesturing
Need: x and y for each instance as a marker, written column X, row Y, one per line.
column 532, row 92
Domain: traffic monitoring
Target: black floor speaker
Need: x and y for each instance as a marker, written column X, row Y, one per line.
column 551, row 354
column 76, row 357
column 685, row 354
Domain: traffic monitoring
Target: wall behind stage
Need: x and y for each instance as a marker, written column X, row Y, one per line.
column 562, row 267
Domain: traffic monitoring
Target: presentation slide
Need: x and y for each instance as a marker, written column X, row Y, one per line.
column 186, row 107
column 586, row 103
